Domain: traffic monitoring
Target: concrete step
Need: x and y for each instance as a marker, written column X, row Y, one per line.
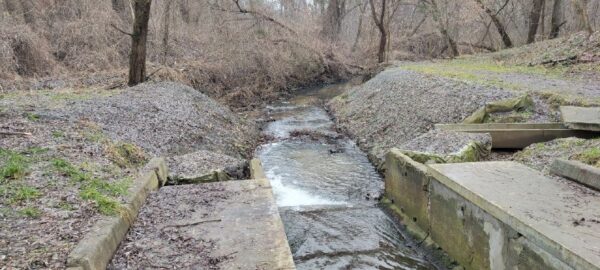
column 557, row 218
column 519, row 135
column 581, row 118
column 228, row 225
column 577, row 171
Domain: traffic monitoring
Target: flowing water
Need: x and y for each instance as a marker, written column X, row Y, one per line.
column 327, row 193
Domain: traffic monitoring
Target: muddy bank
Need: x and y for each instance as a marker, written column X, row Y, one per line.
column 73, row 154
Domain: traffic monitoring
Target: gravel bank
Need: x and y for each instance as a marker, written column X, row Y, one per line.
column 166, row 119
column 397, row 106
column 80, row 156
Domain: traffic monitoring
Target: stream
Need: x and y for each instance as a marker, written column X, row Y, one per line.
column 327, row 192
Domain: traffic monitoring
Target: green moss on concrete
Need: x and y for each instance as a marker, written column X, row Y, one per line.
column 523, row 105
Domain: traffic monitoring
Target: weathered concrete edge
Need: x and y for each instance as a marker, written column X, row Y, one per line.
column 256, row 169
column 97, row 247
column 551, row 246
column 257, row 172
column 577, row 171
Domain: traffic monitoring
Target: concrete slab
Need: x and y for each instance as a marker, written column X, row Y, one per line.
column 581, row 118
column 224, row 225
column 575, row 170
column 560, row 219
column 519, row 135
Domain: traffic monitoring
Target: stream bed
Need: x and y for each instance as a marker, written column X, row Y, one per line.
column 327, row 192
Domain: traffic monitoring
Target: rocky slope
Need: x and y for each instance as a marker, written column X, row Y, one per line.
column 396, row 106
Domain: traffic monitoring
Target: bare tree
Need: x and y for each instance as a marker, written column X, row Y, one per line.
column 557, row 18
column 581, row 10
column 137, row 57
column 166, row 25
column 534, row 20
column 333, row 19
column 379, row 20
column 363, row 8
column 437, row 17
column 499, row 26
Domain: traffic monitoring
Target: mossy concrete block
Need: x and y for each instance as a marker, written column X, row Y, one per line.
column 407, row 186
column 97, row 247
column 482, row 115
column 581, row 118
column 575, row 170
column 256, row 169
column 159, row 165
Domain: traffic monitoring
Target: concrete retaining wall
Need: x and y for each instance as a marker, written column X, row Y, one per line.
column 97, row 247
column 467, row 233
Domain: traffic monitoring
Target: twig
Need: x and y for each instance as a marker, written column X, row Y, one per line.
column 120, row 30
column 11, row 133
column 151, row 74
column 192, row 224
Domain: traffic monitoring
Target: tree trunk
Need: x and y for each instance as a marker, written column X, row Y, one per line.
column 435, row 14
column 165, row 38
column 380, row 23
column 557, row 19
column 534, row 20
column 333, row 19
column 137, row 57
column 360, row 23
column 499, row 26
column 584, row 20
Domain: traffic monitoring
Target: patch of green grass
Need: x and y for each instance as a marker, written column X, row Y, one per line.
column 35, row 150
column 14, row 167
column 65, row 206
column 478, row 70
column 58, row 134
column 105, row 205
column 25, row 193
column 32, row 117
column 31, row 212
column 101, row 192
column 18, row 193
column 590, row 156
column 70, row 171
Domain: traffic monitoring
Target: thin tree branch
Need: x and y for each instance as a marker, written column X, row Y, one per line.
column 120, row 30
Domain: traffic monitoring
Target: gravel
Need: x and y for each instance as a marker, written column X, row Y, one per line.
column 444, row 143
column 166, row 119
column 201, row 163
column 397, row 106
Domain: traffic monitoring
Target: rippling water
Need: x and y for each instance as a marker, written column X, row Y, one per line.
column 327, row 192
